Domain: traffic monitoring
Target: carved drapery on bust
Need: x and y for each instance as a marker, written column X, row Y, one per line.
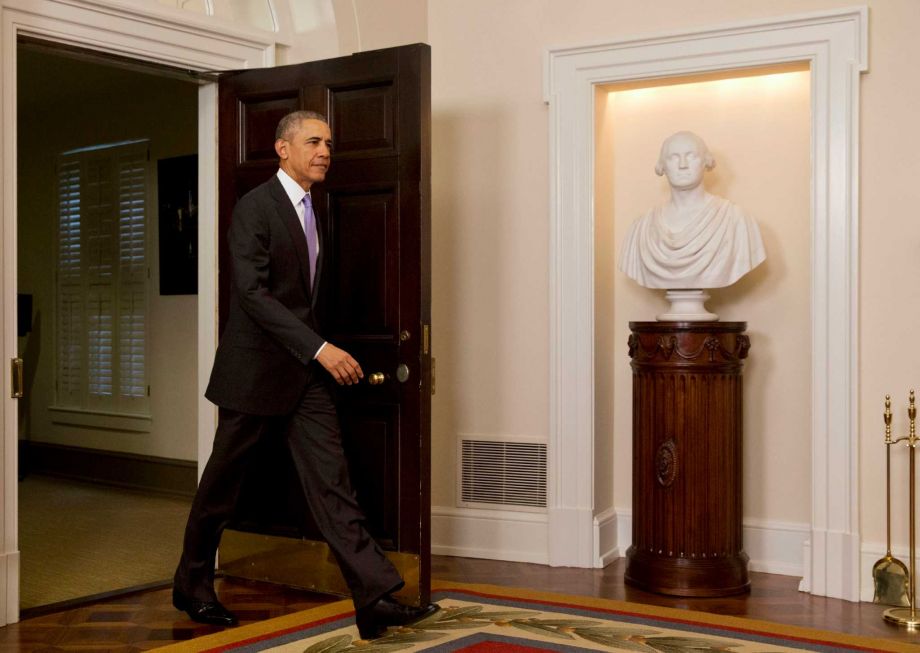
column 696, row 240
column 718, row 246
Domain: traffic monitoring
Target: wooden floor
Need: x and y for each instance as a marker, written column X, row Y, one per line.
column 145, row 620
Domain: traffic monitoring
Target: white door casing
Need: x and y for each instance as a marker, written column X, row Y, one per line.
column 835, row 44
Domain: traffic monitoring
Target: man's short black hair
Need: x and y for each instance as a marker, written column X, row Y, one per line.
column 291, row 122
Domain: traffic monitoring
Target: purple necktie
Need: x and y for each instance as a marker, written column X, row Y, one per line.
column 309, row 229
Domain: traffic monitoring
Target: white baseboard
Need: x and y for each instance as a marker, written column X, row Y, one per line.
column 624, row 530
column 776, row 547
column 606, row 538
column 571, row 540
column 833, row 565
column 773, row 547
column 491, row 534
column 805, row 583
column 9, row 588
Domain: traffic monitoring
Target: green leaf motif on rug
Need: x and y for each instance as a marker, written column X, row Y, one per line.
column 644, row 640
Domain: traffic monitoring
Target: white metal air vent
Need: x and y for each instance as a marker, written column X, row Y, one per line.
column 503, row 473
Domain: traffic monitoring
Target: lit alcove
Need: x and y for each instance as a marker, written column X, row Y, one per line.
column 757, row 125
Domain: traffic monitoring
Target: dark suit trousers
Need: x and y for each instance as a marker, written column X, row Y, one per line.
column 314, row 439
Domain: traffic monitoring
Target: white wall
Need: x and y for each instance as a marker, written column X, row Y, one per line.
column 889, row 261
column 66, row 104
column 323, row 29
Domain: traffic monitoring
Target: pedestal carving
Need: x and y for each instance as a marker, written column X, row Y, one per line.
column 687, row 458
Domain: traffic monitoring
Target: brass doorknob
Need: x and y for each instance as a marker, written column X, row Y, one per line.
column 376, row 378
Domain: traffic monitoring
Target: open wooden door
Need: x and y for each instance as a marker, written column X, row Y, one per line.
column 374, row 208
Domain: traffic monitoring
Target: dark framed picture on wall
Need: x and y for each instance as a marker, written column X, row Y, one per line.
column 177, row 180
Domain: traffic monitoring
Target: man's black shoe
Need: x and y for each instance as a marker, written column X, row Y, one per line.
column 204, row 612
column 373, row 619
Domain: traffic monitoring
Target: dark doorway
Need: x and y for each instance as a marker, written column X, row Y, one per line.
column 108, row 423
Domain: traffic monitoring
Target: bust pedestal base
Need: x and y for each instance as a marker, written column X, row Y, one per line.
column 687, row 457
column 687, row 306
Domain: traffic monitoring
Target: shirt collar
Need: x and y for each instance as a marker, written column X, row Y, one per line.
column 292, row 188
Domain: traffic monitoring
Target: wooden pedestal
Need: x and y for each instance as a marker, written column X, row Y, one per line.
column 687, row 437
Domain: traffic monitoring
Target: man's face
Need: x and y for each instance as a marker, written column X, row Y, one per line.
column 684, row 163
column 307, row 155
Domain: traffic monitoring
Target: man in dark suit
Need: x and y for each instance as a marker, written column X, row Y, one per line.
column 270, row 379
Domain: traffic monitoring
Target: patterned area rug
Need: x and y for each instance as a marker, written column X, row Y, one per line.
column 486, row 619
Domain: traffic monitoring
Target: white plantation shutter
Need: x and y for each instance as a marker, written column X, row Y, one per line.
column 69, row 328
column 102, row 279
column 132, row 274
column 101, row 246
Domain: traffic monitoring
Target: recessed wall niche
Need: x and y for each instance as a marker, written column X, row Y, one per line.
column 757, row 125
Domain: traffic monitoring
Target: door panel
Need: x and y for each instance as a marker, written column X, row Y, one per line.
column 365, row 298
column 375, row 134
column 373, row 209
column 374, row 445
column 257, row 115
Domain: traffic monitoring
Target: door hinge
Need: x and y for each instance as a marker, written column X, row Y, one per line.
column 16, row 378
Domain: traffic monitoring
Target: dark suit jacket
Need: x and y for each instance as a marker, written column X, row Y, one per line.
column 265, row 356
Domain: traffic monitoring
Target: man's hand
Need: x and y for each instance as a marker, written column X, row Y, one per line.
column 339, row 363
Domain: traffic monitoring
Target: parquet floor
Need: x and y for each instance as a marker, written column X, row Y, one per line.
column 145, row 620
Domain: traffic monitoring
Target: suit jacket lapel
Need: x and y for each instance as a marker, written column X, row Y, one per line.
column 295, row 228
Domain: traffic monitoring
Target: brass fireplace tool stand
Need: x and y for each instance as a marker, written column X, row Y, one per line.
column 908, row 617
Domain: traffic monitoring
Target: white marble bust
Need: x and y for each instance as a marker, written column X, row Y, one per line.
column 696, row 240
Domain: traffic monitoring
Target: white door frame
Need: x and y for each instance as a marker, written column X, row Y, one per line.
column 150, row 34
column 835, row 43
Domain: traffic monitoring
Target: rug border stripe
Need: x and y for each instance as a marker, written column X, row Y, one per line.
column 671, row 620
column 252, row 633
column 237, row 638
column 277, row 634
column 679, row 615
